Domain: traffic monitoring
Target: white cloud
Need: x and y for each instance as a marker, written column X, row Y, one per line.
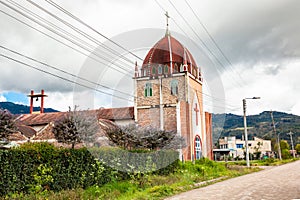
column 261, row 39
column 2, row 98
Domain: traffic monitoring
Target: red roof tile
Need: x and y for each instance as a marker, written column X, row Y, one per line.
column 116, row 113
column 108, row 113
column 26, row 130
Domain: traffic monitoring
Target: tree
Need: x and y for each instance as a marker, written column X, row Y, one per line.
column 76, row 127
column 135, row 137
column 7, row 124
column 285, row 147
column 297, row 148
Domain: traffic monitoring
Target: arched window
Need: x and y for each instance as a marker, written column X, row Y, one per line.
column 176, row 68
column 148, row 90
column 174, row 87
column 145, row 71
column 153, row 70
column 181, row 68
column 166, row 69
column 159, row 69
column 198, row 149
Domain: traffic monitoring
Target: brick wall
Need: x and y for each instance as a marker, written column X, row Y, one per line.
column 149, row 117
column 170, row 120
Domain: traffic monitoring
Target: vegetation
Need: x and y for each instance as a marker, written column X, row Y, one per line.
column 133, row 137
column 297, row 148
column 73, row 174
column 7, row 124
column 76, row 127
column 40, row 167
column 284, row 147
column 264, row 162
column 258, row 126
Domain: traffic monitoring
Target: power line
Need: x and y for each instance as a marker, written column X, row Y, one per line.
column 80, row 31
column 212, row 39
column 199, row 38
column 60, row 77
column 91, row 28
column 63, row 71
column 26, row 24
column 70, row 40
column 211, row 96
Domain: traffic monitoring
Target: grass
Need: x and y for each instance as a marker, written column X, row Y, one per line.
column 151, row 186
column 265, row 162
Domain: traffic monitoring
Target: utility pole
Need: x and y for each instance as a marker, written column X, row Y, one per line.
column 290, row 133
column 245, row 129
column 277, row 137
column 246, row 134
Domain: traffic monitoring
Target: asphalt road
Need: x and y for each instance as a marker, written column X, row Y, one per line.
column 281, row 182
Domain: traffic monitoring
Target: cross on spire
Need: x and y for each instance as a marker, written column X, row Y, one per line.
column 167, row 17
column 196, row 110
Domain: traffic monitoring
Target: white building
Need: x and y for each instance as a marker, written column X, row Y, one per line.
column 236, row 147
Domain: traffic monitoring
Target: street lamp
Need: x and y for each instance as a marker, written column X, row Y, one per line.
column 245, row 129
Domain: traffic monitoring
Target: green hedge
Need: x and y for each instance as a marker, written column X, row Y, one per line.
column 40, row 167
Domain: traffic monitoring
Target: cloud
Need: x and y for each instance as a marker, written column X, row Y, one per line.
column 260, row 38
column 2, row 98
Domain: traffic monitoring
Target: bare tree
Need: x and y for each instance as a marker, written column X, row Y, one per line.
column 76, row 127
column 7, row 124
column 135, row 137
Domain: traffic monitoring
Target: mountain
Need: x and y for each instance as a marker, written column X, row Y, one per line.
column 21, row 109
column 258, row 126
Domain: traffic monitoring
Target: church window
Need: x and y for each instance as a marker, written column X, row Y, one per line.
column 153, row 70
column 176, row 67
column 174, row 87
column 181, row 68
column 198, row 150
column 166, row 69
column 159, row 69
column 148, row 90
column 145, row 71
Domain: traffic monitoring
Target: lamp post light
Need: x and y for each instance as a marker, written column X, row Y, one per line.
column 245, row 129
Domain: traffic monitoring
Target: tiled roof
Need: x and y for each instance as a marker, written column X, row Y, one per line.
column 45, row 134
column 17, row 137
column 116, row 113
column 40, row 119
column 26, row 130
column 106, row 113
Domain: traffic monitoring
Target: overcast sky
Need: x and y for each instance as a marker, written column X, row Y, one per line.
column 260, row 39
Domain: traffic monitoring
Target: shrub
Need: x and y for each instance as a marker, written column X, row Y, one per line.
column 40, row 167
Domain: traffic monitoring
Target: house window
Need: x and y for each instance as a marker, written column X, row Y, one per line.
column 174, row 87
column 148, row 90
column 198, row 150
column 159, row 69
column 239, row 146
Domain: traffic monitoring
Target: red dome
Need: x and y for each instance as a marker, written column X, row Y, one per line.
column 169, row 56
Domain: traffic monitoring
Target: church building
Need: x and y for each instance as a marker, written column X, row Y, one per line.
column 168, row 96
column 168, row 90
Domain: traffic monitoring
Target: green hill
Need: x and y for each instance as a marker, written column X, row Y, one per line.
column 258, row 126
column 21, row 109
